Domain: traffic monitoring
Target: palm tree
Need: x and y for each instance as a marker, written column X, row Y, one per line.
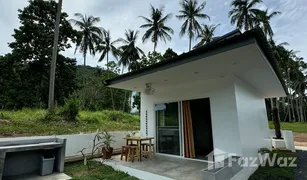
column 89, row 38
column 190, row 11
column 130, row 54
column 206, row 35
column 129, row 51
column 242, row 13
column 106, row 46
column 156, row 29
column 263, row 20
column 90, row 34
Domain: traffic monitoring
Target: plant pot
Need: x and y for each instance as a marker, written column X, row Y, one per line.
column 107, row 154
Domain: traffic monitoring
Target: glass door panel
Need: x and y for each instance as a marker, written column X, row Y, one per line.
column 168, row 131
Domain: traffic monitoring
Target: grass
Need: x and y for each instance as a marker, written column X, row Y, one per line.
column 298, row 127
column 276, row 172
column 28, row 122
column 78, row 171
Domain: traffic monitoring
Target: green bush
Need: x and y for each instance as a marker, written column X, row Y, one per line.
column 70, row 110
column 51, row 116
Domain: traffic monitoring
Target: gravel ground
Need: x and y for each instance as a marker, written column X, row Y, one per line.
column 301, row 171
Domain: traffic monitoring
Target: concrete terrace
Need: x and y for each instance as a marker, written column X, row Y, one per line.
column 162, row 167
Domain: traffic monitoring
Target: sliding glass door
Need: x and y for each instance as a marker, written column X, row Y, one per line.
column 168, row 128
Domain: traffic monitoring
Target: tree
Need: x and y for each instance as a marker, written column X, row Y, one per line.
column 206, row 35
column 130, row 53
column 169, row 53
column 54, row 57
column 106, row 46
column 263, row 19
column 90, row 34
column 242, row 13
column 90, row 37
column 98, row 96
column 32, row 51
column 150, row 59
column 156, row 29
column 190, row 11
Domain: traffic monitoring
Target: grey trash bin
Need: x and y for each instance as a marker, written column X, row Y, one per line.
column 47, row 164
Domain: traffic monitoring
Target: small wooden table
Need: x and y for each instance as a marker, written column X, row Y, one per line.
column 139, row 141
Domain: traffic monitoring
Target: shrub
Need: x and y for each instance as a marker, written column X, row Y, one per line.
column 70, row 110
column 264, row 150
column 115, row 115
column 51, row 116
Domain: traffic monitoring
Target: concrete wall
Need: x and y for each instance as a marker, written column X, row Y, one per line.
column 221, row 92
column 76, row 142
column 252, row 117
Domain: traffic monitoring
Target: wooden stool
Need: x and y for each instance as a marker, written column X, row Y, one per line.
column 148, row 149
column 132, row 153
column 125, row 152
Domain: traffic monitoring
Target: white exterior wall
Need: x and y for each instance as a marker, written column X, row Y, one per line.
column 221, row 91
column 252, row 117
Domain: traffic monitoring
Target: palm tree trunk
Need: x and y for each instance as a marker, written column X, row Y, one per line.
column 272, row 106
column 83, row 89
column 125, row 94
column 190, row 44
column 277, row 106
column 113, row 104
column 155, row 46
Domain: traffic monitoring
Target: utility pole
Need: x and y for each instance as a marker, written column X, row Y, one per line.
column 54, row 56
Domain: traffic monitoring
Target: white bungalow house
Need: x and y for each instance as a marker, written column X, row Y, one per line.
column 209, row 98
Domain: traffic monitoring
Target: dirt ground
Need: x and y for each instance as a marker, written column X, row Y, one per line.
column 300, row 139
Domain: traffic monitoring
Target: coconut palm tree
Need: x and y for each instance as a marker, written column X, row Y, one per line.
column 155, row 25
column 90, row 34
column 190, row 12
column 89, row 38
column 206, row 35
column 130, row 54
column 263, row 19
column 242, row 13
column 129, row 51
column 106, row 46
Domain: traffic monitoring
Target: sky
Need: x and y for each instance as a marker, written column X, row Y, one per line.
column 119, row 15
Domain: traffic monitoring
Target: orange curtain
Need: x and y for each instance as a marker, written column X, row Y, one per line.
column 189, row 151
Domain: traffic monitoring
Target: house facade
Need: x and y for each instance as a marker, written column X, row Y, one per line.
column 209, row 98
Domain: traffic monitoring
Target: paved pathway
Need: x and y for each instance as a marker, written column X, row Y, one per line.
column 301, row 171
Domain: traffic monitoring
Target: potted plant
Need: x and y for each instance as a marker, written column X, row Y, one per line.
column 107, row 140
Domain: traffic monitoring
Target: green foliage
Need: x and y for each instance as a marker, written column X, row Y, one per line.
column 206, row 35
column 28, row 122
column 264, row 151
column 297, row 127
column 70, row 110
column 137, row 101
column 156, row 28
column 130, row 53
column 169, row 53
column 24, row 76
column 96, row 96
column 190, row 12
column 276, row 172
column 151, row 58
column 78, row 171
